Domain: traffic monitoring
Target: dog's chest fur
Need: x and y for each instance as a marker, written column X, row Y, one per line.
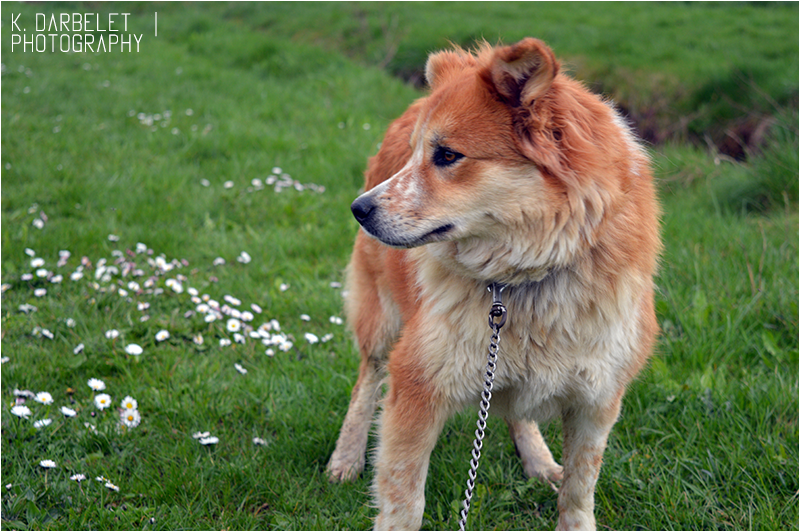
column 565, row 341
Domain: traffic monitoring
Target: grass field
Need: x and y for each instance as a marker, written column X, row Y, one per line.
column 246, row 128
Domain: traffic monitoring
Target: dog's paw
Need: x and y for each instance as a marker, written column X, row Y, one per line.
column 543, row 467
column 341, row 470
column 551, row 474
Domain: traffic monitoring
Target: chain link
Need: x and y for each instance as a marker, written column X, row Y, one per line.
column 497, row 318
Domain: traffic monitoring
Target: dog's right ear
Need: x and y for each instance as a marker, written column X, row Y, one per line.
column 442, row 64
column 524, row 71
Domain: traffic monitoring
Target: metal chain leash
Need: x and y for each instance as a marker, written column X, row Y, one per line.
column 497, row 318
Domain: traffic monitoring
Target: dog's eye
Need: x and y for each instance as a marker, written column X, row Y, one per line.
column 443, row 156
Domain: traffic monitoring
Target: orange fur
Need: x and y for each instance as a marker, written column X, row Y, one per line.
column 508, row 171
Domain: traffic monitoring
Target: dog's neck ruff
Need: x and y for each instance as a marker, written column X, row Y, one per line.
column 487, row 263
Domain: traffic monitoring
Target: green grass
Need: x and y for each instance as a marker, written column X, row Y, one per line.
column 708, row 438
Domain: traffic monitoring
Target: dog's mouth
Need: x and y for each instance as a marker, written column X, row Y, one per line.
column 403, row 241
column 439, row 231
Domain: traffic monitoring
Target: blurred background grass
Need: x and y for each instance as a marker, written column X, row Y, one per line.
column 708, row 438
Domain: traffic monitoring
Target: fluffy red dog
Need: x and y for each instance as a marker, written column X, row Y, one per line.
column 508, row 171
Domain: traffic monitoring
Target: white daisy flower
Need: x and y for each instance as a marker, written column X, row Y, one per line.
column 311, row 338
column 240, row 369
column 113, row 238
column 224, row 342
column 199, row 435
column 234, row 325
column 275, row 325
column 284, row 287
column 44, row 398
column 247, row 316
column 133, row 286
column 336, row 284
column 76, row 275
column 40, row 292
column 336, row 320
column 134, row 349
column 219, row 261
column 47, row 334
column 56, row 279
column 26, row 276
column 78, row 477
column 210, row 317
column 47, row 464
column 198, row 339
column 21, row 411
column 131, row 417
column 102, row 401
column 277, row 170
column 38, row 223
column 42, row 272
column 29, row 252
column 211, row 440
column 68, row 412
column 4, row 360
column 129, row 403
column 39, row 423
column 162, row 335
column 328, row 337
column 232, row 300
column 255, row 308
column 244, row 257
column 259, row 441
column 305, row 317
column 112, row 334
column 238, row 338
column 111, row 486
column 122, row 292
column 70, row 323
column 96, row 385
column 270, row 352
column 285, row 346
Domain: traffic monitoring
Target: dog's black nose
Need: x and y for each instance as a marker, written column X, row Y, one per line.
column 362, row 207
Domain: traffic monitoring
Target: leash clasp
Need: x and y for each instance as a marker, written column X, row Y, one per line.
column 498, row 314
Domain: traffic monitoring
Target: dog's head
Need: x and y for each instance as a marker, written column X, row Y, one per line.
column 500, row 146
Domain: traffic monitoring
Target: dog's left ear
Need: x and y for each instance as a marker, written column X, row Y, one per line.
column 523, row 71
column 443, row 64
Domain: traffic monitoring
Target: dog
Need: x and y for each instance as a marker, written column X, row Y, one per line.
column 507, row 171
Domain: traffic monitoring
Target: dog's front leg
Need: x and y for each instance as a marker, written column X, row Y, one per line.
column 586, row 430
column 410, row 424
